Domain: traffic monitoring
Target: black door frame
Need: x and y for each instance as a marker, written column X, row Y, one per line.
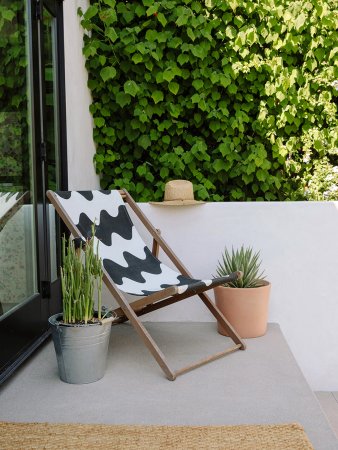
column 24, row 329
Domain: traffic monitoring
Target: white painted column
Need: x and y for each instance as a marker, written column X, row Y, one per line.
column 81, row 148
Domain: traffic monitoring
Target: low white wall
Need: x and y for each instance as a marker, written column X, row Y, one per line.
column 81, row 149
column 298, row 242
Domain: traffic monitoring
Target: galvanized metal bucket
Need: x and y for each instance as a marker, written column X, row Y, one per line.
column 81, row 350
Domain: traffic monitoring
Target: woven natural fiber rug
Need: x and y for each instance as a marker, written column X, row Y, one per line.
column 26, row 436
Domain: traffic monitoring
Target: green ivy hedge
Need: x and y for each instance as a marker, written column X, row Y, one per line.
column 13, row 95
column 239, row 97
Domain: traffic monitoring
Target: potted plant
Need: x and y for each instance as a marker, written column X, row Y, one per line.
column 81, row 334
column 245, row 301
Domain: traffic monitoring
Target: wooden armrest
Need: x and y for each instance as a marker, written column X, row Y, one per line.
column 156, row 248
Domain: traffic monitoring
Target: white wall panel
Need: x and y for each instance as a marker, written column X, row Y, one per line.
column 298, row 242
column 81, row 149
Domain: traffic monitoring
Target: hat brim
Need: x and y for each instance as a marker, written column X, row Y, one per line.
column 178, row 203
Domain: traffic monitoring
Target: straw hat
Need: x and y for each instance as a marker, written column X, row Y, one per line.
column 178, row 193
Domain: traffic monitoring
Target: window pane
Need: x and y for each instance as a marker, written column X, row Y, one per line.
column 17, row 221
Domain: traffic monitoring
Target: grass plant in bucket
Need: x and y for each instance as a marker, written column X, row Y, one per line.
column 81, row 333
column 244, row 302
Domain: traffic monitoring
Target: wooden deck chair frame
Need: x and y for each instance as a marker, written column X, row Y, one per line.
column 131, row 311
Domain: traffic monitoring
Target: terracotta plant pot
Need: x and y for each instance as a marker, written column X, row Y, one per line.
column 245, row 308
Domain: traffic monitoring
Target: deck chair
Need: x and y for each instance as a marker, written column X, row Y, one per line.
column 130, row 267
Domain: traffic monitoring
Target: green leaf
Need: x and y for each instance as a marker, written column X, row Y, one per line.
column 157, row 96
column 151, row 35
column 164, row 172
column 232, row 88
column 99, row 122
column 152, row 9
column 102, row 60
column 159, row 77
column 140, row 10
column 173, row 87
column 141, row 47
column 130, row 87
column 108, row 73
column 137, row 58
column 111, row 34
column 219, row 165
column 174, row 110
column 122, row 99
column 230, row 32
column 182, row 20
column 89, row 50
column 143, row 118
column 224, row 80
column 161, row 18
column 144, row 141
column 7, row 14
column 110, row 3
column 182, row 58
column 176, row 42
column 108, row 16
column 168, row 75
column 261, row 175
column 300, row 20
column 109, row 131
column 91, row 12
column 141, row 170
column 198, row 84
column 191, row 34
column 199, row 52
column 195, row 98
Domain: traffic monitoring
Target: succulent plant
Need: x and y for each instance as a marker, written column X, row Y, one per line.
column 245, row 261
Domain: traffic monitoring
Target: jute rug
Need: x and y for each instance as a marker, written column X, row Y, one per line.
column 25, row 436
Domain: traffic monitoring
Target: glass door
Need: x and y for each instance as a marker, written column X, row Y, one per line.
column 32, row 158
column 50, row 142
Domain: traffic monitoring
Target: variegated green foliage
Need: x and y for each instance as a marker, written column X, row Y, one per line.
column 13, row 94
column 245, row 261
column 237, row 96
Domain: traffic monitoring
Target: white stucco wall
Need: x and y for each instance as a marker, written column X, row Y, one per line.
column 298, row 241
column 81, row 149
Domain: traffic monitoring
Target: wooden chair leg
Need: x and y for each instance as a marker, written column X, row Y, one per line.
column 141, row 330
column 220, row 318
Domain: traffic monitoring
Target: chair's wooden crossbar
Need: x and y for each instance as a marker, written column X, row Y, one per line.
column 207, row 360
column 141, row 309
column 153, row 300
column 127, row 309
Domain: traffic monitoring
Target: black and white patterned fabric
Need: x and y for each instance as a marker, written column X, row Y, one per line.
column 128, row 261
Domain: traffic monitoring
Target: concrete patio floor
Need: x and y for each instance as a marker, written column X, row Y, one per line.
column 262, row 385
